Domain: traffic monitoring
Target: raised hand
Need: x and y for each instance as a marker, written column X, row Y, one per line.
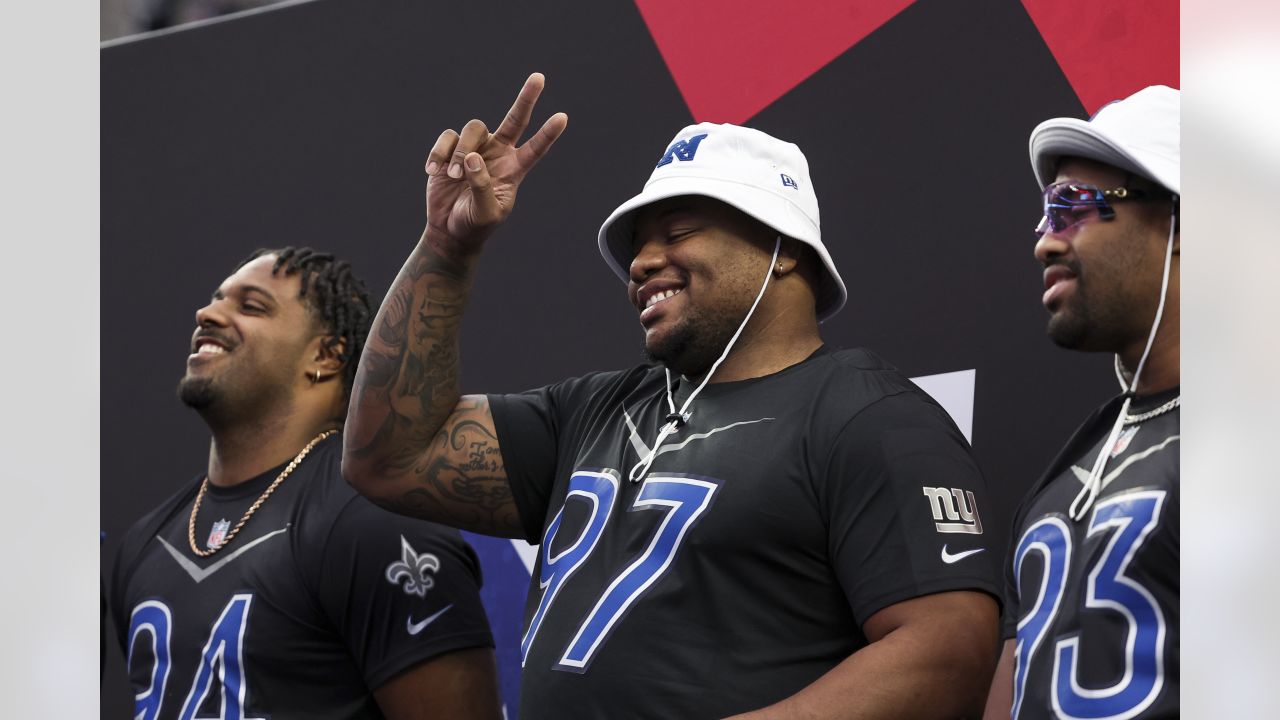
column 473, row 176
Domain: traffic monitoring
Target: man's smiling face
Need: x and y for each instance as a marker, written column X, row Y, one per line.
column 698, row 266
column 250, row 343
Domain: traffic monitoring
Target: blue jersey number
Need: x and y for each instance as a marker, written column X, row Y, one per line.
column 683, row 499
column 224, row 647
column 1130, row 518
column 598, row 489
column 152, row 620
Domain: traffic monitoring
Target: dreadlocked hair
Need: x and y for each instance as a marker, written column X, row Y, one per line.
column 334, row 294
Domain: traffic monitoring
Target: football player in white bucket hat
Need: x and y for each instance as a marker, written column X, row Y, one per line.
column 754, row 521
column 1091, row 621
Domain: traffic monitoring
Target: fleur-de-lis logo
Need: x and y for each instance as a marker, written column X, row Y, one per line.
column 412, row 569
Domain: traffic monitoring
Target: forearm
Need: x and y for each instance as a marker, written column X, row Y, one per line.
column 407, row 382
column 910, row 673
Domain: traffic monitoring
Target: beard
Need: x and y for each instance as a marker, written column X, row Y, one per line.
column 197, row 393
column 235, row 393
column 1069, row 327
column 694, row 344
column 1093, row 320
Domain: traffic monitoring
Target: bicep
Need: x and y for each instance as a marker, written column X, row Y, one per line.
column 903, row 497
column 1000, row 698
column 953, row 638
column 461, row 684
column 460, row 479
column 964, row 614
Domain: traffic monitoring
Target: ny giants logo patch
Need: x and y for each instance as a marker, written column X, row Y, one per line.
column 954, row 510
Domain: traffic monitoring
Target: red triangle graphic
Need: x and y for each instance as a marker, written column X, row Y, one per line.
column 732, row 58
column 1110, row 50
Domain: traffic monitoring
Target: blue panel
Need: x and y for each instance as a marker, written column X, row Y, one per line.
column 506, row 583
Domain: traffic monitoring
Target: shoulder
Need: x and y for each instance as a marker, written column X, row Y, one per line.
column 861, row 371
column 335, row 517
column 859, row 385
column 326, row 504
column 577, row 393
column 141, row 532
column 129, row 554
column 609, row 382
column 1087, row 434
column 324, row 489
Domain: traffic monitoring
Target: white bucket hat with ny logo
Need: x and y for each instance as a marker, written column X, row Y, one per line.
column 756, row 173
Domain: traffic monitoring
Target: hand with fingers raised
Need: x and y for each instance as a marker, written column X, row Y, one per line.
column 473, row 176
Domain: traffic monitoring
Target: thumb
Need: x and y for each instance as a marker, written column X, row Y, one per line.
column 486, row 203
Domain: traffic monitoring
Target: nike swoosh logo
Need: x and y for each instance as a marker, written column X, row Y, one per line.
column 949, row 558
column 1083, row 475
column 199, row 574
column 642, row 449
column 416, row 627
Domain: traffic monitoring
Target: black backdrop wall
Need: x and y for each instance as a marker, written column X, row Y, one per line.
column 309, row 124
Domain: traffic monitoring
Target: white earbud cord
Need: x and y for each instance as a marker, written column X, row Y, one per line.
column 639, row 469
column 1093, row 485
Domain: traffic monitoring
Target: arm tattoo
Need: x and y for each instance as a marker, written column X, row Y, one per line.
column 409, row 421
column 463, row 479
column 408, row 376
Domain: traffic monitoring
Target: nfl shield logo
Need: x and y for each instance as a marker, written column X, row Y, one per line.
column 218, row 534
column 1122, row 442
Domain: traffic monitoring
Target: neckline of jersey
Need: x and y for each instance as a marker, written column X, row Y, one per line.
column 684, row 386
column 256, row 484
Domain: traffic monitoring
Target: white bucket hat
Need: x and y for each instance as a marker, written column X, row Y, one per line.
column 1140, row 133
column 756, row 173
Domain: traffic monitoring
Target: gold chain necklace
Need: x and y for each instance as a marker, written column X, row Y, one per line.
column 195, row 509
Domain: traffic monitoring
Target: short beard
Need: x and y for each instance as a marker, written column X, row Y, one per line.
column 1090, row 324
column 197, row 393
column 1069, row 330
column 1069, row 327
column 693, row 346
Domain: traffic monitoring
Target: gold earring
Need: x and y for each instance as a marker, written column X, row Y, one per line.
column 778, row 270
column 316, row 379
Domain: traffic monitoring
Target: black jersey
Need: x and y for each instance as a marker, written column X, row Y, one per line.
column 1094, row 604
column 785, row 513
column 321, row 598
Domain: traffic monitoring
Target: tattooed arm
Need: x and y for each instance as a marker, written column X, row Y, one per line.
column 412, row 443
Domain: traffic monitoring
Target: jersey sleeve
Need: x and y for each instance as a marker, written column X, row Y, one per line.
column 527, row 427
column 536, row 430
column 399, row 591
column 904, row 503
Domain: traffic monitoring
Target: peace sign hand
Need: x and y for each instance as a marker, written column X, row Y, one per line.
column 473, row 177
